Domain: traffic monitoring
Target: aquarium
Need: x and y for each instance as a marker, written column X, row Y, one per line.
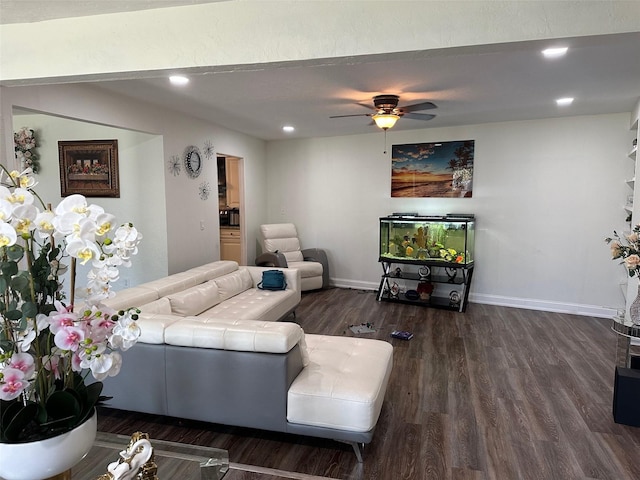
column 431, row 240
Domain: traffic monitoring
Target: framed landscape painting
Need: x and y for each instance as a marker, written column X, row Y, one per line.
column 89, row 167
column 439, row 169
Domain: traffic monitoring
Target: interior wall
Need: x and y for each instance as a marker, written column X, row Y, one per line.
column 135, row 153
column 192, row 228
column 546, row 193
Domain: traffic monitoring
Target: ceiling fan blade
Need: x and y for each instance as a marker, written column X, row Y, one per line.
column 370, row 107
column 419, row 116
column 418, row 107
column 355, row 115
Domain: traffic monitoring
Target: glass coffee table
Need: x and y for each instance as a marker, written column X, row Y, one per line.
column 174, row 460
column 628, row 337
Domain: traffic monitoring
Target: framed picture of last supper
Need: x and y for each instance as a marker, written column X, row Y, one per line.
column 89, row 167
column 439, row 169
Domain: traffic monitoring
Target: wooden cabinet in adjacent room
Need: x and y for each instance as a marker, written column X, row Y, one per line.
column 230, row 244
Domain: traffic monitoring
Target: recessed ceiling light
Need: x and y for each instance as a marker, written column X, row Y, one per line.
column 288, row 128
column 563, row 102
column 178, row 80
column 554, row 52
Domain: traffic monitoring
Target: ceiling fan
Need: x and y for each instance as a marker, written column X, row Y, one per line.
column 387, row 111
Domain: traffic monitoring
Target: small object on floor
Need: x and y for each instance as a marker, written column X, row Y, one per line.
column 363, row 328
column 402, row 335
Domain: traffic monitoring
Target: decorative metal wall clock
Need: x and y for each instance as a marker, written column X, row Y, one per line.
column 192, row 161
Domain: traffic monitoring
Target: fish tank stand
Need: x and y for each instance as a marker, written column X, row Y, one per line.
column 427, row 260
column 430, row 284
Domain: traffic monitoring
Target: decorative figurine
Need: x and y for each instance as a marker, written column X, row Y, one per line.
column 395, row 290
column 454, row 298
column 136, row 462
column 424, row 272
column 425, row 289
column 451, row 273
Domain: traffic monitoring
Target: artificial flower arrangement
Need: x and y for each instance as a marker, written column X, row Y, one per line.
column 47, row 347
column 24, row 141
column 628, row 249
column 451, row 255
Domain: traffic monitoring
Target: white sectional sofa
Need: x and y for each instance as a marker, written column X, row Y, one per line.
column 211, row 349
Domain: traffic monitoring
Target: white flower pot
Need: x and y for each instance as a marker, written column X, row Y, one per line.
column 46, row 458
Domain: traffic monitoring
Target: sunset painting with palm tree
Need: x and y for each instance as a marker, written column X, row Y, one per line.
column 442, row 169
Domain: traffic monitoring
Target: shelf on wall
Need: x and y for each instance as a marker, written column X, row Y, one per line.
column 629, row 208
column 632, row 153
column 631, row 182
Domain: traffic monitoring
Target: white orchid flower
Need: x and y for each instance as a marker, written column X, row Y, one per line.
column 91, row 356
column 24, row 178
column 66, row 223
column 83, row 249
column 94, row 211
column 105, row 274
column 23, row 218
column 125, row 333
column 73, row 203
column 104, row 223
column 24, row 338
column 6, row 210
column 19, row 196
column 44, row 224
column 8, row 235
column 108, row 366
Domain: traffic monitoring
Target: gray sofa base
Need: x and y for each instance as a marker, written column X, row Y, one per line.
column 243, row 389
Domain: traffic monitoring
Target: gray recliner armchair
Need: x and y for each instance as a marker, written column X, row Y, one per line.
column 281, row 248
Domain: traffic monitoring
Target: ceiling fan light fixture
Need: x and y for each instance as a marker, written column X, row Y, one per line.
column 385, row 121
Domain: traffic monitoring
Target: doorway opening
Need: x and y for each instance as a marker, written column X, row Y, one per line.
column 230, row 207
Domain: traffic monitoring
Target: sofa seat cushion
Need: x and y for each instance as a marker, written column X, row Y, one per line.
column 195, row 300
column 307, row 269
column 153, row 325
column 344, row 384
column 255, row 304
column 238, row 335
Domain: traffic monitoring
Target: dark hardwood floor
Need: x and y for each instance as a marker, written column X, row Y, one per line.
column 493, row 393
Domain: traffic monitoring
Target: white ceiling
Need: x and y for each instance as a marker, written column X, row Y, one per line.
column 470, row 85
column 28, row 11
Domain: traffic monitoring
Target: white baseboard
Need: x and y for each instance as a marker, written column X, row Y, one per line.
column 544, row 305
column 358, row 285
column 515, row 302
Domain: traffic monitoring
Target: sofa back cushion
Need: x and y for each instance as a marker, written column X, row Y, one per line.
column 162, row 305
column 195, row 300
column 173, row 283
column 131, row 297
column 233, row 284
column 213, row 270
